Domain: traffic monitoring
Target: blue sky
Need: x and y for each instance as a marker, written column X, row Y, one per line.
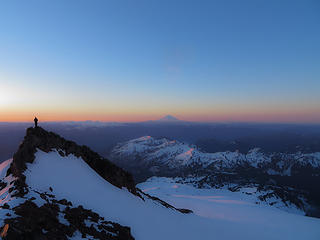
column 137, row 60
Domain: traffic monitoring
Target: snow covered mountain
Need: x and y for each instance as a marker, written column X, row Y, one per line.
column 287, row 176
column 149, row 151
column 56, row 189
column 168, row 118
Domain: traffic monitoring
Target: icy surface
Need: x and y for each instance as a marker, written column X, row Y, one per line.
column 215, row 203
column 73, row 179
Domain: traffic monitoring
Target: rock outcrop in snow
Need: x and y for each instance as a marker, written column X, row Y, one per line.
column 51, row 186
column 38, row 138
column 63, row 196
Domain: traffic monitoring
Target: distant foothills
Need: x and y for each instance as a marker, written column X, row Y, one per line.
column 209, row 137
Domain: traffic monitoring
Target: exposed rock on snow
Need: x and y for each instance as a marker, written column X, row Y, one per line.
column 38, row 138
column 34, row 207
column 70, row 199
column 33, row 222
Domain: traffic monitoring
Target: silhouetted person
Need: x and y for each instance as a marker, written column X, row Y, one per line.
column 35, row 122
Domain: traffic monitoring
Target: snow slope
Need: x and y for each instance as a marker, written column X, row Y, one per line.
column 71, row 178
column 241, row 205
column 4, row 167
column 234, row 208
column 285, row 178
column 4, row 195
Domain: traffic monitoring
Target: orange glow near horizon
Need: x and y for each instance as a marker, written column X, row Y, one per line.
column 19, row 106
column 69, row 116
column 131, row 116
column 101, row 72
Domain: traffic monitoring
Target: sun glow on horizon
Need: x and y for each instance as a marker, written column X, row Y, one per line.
column 54, row 115
column 238, row 62
column 6, row 98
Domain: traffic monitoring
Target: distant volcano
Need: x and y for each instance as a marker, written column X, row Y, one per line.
column 168, row 118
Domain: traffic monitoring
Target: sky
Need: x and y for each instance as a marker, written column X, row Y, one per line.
column 238, row 61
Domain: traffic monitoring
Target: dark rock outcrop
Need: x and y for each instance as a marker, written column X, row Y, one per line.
column 44, row 223
column 163, row 203
column 38, row 138
column 58, row 218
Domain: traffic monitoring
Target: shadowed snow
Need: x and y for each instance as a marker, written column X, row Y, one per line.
column 73, row 179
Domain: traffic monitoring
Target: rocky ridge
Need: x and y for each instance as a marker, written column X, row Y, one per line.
column 176, row 156
column 38, row 138
column 31, row 214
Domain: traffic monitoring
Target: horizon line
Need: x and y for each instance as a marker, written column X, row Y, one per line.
column 170, row 122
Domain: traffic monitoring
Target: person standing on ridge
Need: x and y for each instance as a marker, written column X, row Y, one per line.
column 35, row 122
